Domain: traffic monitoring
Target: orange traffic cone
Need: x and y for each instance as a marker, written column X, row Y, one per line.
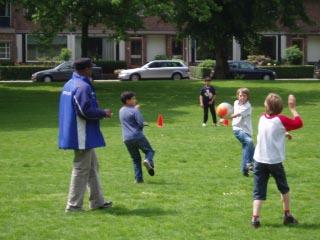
column 160, row 121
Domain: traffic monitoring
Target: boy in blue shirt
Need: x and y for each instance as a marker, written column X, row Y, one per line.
column 132, row 124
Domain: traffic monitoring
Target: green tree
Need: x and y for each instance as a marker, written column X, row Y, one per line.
column 53, row 17
column 214, row 23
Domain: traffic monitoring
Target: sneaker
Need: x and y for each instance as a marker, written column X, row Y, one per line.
column 107, row 204
column 138, row 181
column 245, row 173
column 289, row 220
column 255, row 224
column 73, row 209
column 204, row 125
column 149, row 167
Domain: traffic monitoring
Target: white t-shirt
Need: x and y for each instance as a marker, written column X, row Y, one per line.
column 243, row 121
column 270, row 147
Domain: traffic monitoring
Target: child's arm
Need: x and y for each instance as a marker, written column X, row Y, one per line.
column 296, row 122
column 201, row 101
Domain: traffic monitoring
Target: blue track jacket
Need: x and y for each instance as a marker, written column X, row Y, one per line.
column 79, row 115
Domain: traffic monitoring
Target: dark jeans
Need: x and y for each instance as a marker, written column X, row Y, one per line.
column 134, row 146
column 206, row 107
column 262, row 172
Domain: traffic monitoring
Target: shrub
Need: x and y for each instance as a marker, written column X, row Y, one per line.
column 110, row 66
column 207, row 63
column 19, row 72
column 200, row 72
column 65, row 54
column 293, row 71
column 161, row 57
column 6, row 63
column 259, row 60
column 293, row 55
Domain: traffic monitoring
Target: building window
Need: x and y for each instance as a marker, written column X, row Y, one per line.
column 37, row 52
column 176, row 48
column 4, row 50
column 5, row 14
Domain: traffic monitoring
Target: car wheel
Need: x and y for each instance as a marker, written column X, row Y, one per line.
column 176, row 76
column 134, row 77
column 266, row 77
column 47, row 78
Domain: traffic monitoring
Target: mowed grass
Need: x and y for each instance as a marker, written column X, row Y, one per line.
column 198, row 191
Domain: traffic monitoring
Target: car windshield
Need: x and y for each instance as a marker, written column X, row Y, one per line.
column 245, row 65
column 64, row 65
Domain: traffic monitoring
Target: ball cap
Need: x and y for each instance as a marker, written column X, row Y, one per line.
column 82, row 63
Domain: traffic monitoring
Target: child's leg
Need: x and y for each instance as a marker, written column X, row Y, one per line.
column 136, row 159
column 213, row 113
column 145, row 146
column 247, row 149
column 205, row 113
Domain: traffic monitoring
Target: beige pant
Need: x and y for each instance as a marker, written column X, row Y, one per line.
column 85, row 173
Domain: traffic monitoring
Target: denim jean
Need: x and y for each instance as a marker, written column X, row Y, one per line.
column 247, row 148
column 134, row 146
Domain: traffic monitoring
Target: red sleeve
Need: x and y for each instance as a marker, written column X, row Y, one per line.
column 291, row 124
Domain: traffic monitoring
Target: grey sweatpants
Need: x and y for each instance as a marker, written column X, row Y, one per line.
column 85, row 173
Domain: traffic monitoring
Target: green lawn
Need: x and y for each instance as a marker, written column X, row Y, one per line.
column 198, row 191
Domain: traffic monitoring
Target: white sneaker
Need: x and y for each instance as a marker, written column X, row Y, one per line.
column 204, row 125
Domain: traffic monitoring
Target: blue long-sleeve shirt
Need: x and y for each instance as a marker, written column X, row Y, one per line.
column 131, row 122
column 79, row 115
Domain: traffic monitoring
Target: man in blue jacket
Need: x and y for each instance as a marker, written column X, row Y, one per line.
column 79, row 129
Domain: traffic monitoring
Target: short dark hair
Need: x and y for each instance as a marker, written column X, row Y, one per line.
column 127, row 95
column 82, row 63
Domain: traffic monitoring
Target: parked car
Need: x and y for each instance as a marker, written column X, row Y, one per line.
column 157, row 69
column 62, row 72
column 246, row 70
column 317, row 70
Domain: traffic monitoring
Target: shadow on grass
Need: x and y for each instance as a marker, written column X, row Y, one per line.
column 142, row 212
column 300, row 225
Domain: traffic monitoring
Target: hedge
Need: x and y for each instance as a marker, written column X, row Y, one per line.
column 110, row 66
column 19, row 72
column 199, row 72
column 292, row 71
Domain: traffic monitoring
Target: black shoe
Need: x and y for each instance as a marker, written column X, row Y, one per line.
column 245, row 173
column 250, row 166
column 149, row 167
column 107, row 204
column 138, row 181
column 255, row 224
column 289, row 220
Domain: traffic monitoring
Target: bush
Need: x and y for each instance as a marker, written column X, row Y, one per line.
column 6, row 63
column 207, row 63
column 293, row 55
column 161, row 57
column 259, row 60
column 110, row 66
column 65, row 54
column 200, row 72
column 287, row 71
column 19, row 72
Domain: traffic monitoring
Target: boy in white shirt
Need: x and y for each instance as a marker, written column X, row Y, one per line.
column 242, row 128
column 270, row 153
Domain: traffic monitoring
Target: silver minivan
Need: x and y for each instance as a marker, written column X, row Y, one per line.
column 157, row 69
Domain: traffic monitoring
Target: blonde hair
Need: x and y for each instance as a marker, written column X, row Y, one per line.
column 244, row 91
column 273, row 104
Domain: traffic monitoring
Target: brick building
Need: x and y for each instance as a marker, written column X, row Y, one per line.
column 157, row 38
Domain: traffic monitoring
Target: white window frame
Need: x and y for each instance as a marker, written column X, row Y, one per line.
column 6, row 50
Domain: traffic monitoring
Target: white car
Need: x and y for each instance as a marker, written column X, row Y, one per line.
column 157, row 69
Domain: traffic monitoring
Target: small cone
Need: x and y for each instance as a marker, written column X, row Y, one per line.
column 160, row 121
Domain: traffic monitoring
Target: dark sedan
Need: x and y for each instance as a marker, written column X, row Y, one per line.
column 62, row 72
column 245, row 70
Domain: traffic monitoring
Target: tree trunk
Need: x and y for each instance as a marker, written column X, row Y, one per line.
column 221, row 70
column 84, row 37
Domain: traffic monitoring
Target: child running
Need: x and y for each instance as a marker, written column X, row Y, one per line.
column 132, row 132
column 242, row 128
column 270, row 153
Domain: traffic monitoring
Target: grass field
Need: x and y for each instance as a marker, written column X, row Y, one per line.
column 198, row 191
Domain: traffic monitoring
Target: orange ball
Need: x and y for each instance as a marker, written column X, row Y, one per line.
column 224, row 110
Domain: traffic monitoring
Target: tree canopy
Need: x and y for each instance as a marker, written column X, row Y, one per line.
column 53, row 17
column 214, row 23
